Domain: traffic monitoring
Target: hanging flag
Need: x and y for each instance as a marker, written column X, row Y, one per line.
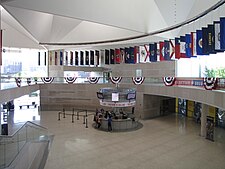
column 143, row 54
column 217, row 35
column 56, row 59
column 205, row 41
column 1, row 48
column 127, row 55
column 183, row 47
column 193, row 44
column 87, row 58
column 188, row 45
column 117, row 53
column 66, row 59
column 153, row 52
column 45, row 58
column 147, row 53
column 199, row 42
column 177, row 48
column 211, row 39
column 97, row 57
column 39, row 58
column 161, row 51
column 222, row 33
column 132, row 56
column 166, row 50
column 71, row 58
column 136, row 54
column 107, row 57
column 81, row 58
column 112, row 56
column 172, row 49
column 61, row 58
column 92, row 62
column 122, row 55
column 76, row 58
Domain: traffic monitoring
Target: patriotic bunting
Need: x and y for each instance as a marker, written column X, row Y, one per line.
column 70, row 80
column 47, row 79
column 18, row 81
column 169, row 81
column 138, row 80
column 210, row 83
column 115, row 80
column 93, row 80
column 28, row 81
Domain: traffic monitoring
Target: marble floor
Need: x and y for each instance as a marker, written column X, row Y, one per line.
column 169, row 142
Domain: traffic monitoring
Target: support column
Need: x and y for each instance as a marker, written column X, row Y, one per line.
column 204, row 113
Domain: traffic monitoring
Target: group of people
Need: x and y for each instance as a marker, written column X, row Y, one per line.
column 103, row 114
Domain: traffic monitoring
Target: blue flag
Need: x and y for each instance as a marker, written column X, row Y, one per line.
column 127, row 55
column 205, row 41
column 167, row 50
column 188, row 45
column 199, row 42
column 132, row 58
column 61, row 58
column 222, row 33
column 183, row 47
column 107, row 57
column 153, row 52
column 81, row 58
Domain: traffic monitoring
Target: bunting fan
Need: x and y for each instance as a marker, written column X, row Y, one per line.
column 93, row 80
column 28, row 81
column 115, row 80
column 210, row 83
column 138, row 80
column 169, row 81
column 47, row 79
column 18, row 81
column 70, row 80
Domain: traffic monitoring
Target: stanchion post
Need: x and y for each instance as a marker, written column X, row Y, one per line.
column 73, row 111
column 84, row 120
column 72, row 118
column 59, row 116
column 77, row 115
column 64, row 113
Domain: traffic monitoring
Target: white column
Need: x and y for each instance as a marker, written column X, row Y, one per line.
column 204, row 113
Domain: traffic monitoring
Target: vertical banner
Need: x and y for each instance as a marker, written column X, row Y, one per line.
column 210, row 128
column 193, row 44
column 136, row 54
column 107, row 57
column 211, row 39
column 61, row 58
column 166, row 50
column 92, row 59
column 112, row 58
column 222, row 33
column 172, row 49
column 117, row 53
column 76, row 58
column 127, row 55
column 161, row 51
column 81, row 58
column 199, row 42
column 153, row 52
column 205, row 41
column 1, row 48
column 143, row 54
column 132, row 59
column 177, row 48
column 122, row 55
column 56, row 58
column 87, row 58
column 217, row 35
column 45, row 59
column 71, row 58
column 97, row 58
column 66, row 59
column 39, row 58
column 188, row 45
column 183, row 47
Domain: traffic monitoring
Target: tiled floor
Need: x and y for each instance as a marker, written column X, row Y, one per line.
column 168, row 142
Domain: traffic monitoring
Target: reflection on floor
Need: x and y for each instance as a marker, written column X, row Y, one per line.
column 169, row 142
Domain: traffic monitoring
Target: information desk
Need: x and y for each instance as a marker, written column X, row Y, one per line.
column 119, row 124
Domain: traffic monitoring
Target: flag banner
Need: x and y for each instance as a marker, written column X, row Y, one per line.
column 45, row 59
column 87, row 58
column 115, row 80
column 66, row 60
column 39, row 58
column 56, row 58
column 147, row 53
column 169, row 81
column 143, row 54
column 211, row 39
column 127, row 55
column 172, row 49
column 193, row 44
column 222, row 33
column 161, row 51
column 177, row 48
column 47, row 79
column 122, row 55
column 117, row 53
column 61, row 58
column 188, row 45
column 183, row 47
column 76, row 58
column 97, row 57
column 107, row 57
column 132, row 57
column 199, row 42
column 153, row 52
column 81, row 58
column 210, row 83
column 217, row 35
column 136, row 54
column 29, row 81
column 205, row 41
column 166, row 50
column 112, row 56
column 92, row 59
column 93, row 80
column 70, row 80
column 71, row 58
column 18, row 81
column 1, row 48
column 138, row 80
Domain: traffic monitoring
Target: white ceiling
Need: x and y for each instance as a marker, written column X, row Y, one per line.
column 26, row 23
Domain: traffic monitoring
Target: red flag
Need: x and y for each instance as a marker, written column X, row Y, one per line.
column 161, row 51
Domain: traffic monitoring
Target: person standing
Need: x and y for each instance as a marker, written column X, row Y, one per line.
column 109, row 123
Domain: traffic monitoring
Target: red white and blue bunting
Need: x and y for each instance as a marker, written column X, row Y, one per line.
column 210, row 83
column 115, row 80
column 93, row 80
column 28, row 81
column 169, row 81
column 47, row 79
column 138, row 80
column 70, row 80
column 18, row 81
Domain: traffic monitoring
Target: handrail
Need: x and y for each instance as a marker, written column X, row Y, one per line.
column 188, row 21
column 9, row 136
